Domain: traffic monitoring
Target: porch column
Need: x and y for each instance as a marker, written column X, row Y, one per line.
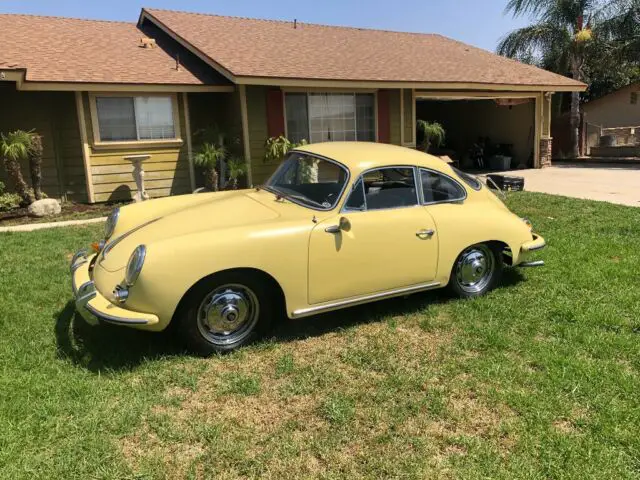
column 546, row 141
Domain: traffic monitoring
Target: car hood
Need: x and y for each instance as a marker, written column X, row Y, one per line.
column 184, row 216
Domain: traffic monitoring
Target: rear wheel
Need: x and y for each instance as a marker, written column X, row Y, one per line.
column 225, row 312
column 476, row 271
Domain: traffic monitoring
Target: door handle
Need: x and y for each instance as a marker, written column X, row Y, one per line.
column 424, row 234
column 333, row 229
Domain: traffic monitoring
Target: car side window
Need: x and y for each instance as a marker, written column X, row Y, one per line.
column 438, row 188
column 384, row 188
column 356, row 200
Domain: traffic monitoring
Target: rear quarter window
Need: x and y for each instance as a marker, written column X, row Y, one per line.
column 470, row 180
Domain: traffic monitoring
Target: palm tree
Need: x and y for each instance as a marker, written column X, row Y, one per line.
column 236, row 167
column 556, row 41
column 35, row 163
column 14, row 148
column 209, row 156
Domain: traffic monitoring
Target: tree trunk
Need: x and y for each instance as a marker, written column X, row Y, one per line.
column 574, row 119
column 15, row 173
column 35, row 165
column 211, row 179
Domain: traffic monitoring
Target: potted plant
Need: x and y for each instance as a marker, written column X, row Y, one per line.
column 236, row 167
column 430, row 134
column 209, row 157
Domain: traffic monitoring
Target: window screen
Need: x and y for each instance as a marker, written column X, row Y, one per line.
column 326, row 117
column 135, row 118
column 297, row 117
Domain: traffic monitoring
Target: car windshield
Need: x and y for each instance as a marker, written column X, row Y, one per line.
column 309, row 181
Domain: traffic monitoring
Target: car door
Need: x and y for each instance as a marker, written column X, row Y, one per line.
column 382, row 239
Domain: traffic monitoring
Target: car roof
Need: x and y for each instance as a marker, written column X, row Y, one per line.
column 360, row 156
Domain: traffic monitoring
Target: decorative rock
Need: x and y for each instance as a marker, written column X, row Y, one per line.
column 45, row 207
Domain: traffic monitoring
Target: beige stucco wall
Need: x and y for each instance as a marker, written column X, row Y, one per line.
column 466, row 120
column 614, row 110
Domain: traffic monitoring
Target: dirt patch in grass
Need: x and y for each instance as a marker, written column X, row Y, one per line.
column 321, row 401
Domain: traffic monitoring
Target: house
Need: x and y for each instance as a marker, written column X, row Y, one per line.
column 103, row 93
column 611, row 123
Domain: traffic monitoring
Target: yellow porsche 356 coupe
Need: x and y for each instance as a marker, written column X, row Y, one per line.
column 338, row 224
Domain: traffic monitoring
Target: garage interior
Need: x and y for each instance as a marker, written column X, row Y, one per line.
column 483, row 134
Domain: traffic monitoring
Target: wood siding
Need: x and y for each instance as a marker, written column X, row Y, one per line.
column 258, row 133
column 409, row 121
column 166, row 172
column 53, row 115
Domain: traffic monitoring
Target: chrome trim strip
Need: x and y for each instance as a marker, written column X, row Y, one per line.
column 537, row 263
column 112, row 319
column 117, row 240
column 305, row 312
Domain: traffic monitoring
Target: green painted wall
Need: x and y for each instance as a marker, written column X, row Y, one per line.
column 166, row 172
column 258, row 133
column 54, row 116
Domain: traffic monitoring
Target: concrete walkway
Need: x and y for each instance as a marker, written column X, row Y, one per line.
column 29, row 227
column 606, row 182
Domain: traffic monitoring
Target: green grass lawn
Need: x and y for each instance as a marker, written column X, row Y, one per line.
column 540, row 379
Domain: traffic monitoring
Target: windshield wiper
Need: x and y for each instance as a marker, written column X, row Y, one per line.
column 302, row 198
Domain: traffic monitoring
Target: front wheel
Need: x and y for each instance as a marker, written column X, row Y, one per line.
column 476, row 271
column 225, row 312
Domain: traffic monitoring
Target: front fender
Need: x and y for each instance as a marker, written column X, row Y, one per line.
column 174, row 265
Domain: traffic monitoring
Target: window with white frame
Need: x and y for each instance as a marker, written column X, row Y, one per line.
column 325, row 117
column 122, row 119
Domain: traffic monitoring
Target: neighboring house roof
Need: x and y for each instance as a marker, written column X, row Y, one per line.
column 243, row 47
column 55, row 49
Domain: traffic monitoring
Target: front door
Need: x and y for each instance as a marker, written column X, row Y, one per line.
column 383, row 240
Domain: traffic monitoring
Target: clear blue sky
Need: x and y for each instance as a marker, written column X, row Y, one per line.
column 478, row 22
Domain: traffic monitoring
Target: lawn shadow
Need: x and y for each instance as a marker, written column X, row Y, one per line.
column 108, row 347
column 317, row 325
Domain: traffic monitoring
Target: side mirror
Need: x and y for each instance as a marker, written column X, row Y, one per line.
column 345, row 224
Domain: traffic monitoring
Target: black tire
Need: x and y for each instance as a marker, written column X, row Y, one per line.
column 217, row 302
column 467, row 280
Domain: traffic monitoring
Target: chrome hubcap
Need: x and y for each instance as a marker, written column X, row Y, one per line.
column 228, row 314
column 474, row 268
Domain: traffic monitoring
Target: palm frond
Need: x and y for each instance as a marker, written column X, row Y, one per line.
column 533, row 43
column 16, row 145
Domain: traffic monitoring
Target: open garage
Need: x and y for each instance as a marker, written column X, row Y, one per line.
column 486, row 132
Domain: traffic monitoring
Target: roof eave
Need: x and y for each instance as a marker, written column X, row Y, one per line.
column 339, row 83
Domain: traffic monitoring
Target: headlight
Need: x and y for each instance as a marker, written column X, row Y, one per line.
column 110, row 225
column 135, row 265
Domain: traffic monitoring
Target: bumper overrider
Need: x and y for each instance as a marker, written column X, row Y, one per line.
column 527, row 248
column 94, row 307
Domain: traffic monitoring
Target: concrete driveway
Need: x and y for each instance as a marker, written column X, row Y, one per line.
column 607, row 182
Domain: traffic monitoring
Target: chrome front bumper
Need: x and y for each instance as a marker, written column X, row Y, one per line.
column 538, row 243
column 92, row 306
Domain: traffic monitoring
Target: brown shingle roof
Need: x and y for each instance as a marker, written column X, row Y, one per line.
column 55, row 49
column 265, row 48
